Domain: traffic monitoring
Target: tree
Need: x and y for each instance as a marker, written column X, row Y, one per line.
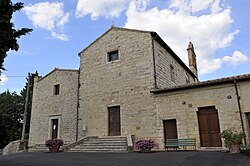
column 11, row 107
column 11, row 110
column 23, row 95
column 9, row 35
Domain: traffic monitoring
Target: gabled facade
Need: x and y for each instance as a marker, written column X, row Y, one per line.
column 54, row 107
column 143, row 63
column 130, row 82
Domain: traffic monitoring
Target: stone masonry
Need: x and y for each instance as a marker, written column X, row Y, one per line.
column 148, row 82
column 164, row 76
column 126, row 82
column 182, row 104
column 47, row 106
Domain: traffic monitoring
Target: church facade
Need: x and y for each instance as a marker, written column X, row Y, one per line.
column 130, row 82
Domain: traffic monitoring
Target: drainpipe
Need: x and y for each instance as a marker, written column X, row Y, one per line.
column 239, row 106
column 153, row 47
column 77, row 107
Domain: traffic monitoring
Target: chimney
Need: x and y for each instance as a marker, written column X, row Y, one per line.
column 192, row 59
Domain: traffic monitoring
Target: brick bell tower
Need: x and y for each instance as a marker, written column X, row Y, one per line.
column 192, row 59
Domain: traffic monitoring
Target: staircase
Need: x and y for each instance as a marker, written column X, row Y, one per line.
column 38, row 148
column 95, row 144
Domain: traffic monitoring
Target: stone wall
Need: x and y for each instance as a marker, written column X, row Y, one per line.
column 183, row 105
column 126, row 82
column 15, row 147
column 164, row 62
column 46, row 106
column 245, row 105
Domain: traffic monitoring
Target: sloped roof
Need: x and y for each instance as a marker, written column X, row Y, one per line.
column 172, row 53
column 156, row 37
column 112, row 27
column 57, row 69
column 225, row 80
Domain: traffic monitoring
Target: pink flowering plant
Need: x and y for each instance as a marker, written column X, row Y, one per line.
column 54, row 142
column 145, row 144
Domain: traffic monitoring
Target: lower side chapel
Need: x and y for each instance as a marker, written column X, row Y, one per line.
column 131, row 85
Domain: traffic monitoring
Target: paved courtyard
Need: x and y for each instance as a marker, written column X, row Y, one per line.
column 126, row 159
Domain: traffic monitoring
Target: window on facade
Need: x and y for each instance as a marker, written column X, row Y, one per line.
column 113, row 56
column 172, row 73
column 187, row 78
column 56, row 89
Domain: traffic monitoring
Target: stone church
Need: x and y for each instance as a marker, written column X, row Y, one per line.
column 132, row 85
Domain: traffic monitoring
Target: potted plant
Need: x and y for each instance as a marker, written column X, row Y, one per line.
column 54, row 144
column 232, row 140
column 144, row 145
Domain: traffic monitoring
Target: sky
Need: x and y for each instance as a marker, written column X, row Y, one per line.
column 219, row 30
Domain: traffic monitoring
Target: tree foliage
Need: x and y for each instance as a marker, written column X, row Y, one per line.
column 11, row 110
column 11, row 107
column 23, row 95
column 8, row 34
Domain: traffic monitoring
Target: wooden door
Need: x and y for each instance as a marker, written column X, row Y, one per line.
column 209, row 127
column 170, row 129
column 114, row 121
column 54, row 128
column 248, row 119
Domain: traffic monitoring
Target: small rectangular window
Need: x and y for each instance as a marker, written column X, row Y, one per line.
column 56, row 89
column 113, row 56
column 187, row 78
column 172, row 73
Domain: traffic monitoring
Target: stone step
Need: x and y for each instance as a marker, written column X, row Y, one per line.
column 40, row 146
column 104, row 143
column 98, row 150
column 119, row 140
column 100, row 147
column 107, row 144
column 38, row 149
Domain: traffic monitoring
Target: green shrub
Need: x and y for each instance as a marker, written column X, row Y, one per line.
column 232, row 137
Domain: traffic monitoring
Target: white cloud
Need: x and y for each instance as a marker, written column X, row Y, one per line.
column 215, row 8
column 3, row 79
column 227, row 40
column 195, row 6
column 236, row 59
column 49, row 16
column 97, row 8
column 199, row 5
column 180, row 5
column 210, row 65
column 60, row 36
column 181, row 19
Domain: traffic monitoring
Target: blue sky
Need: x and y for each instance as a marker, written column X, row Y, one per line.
column 219, row 30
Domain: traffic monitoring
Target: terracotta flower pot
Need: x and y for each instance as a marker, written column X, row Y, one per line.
column 234, row 148
column 53, row 149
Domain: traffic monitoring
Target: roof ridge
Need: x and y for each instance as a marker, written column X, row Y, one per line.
column 56, row 69
column 132, row 29
column 223, row 80
column 113, row 27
